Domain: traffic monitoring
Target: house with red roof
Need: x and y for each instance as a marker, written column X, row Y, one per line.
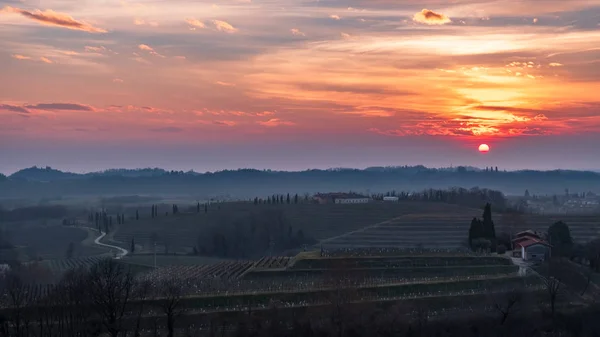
column 530, row 246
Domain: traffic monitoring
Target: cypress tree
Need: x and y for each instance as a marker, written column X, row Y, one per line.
column 488, row 224
column 288, row 199
column 475, row 231
column 137, row 215
column 132, row 246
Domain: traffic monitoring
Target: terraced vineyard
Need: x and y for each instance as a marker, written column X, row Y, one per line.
column 303, row 281
column 223, row 270
column 272, row 262
column 450, row 231
column 60, row 266
column 180, row 232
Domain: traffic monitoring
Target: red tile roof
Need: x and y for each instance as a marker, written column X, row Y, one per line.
column 531, row 242
column 528, row 232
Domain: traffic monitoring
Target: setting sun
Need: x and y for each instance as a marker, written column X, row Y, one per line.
column 483, row 148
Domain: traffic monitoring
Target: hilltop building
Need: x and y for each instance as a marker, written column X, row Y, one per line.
column 341, row 198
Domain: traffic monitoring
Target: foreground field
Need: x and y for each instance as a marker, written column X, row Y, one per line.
column 422, row 285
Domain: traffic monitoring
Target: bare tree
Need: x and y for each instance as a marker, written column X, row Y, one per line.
column 111, row 286
column 506, row 304
column 17, row 293
column 141, row 294
column 169, row 294
column 553, row 286
column 14, row 297
column 73, row 298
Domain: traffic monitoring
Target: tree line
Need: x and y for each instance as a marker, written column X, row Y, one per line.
column 473, row 197
column 257, row 234
column 29, row 213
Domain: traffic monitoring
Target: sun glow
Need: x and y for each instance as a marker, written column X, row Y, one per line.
column 484, row 148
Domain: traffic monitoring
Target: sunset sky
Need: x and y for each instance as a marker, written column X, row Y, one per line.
column 295, row 84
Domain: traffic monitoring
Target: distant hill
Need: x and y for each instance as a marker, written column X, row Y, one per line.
column 42, row 174
column 248, row 183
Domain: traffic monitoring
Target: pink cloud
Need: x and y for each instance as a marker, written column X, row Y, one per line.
column 52, row 18
column 273, row 122
column 225, row 123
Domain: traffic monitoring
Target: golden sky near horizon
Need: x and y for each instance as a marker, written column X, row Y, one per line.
column 187, row 71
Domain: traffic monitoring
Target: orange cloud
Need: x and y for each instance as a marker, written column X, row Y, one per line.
column 429, row 17
column 194, row 24
column 223, row 26
column 52, row 18
column 46, row 60
column 225, row 84
column 150, row 50
column 335, row 17
column 21, row 57
column 145, row 47
column 273, row 122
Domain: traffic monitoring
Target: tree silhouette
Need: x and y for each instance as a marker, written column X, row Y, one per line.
column 137, row 215
column 488, row 224
column 560, row 238
column 132, row 245
column 475, row 231
column 111, row 287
